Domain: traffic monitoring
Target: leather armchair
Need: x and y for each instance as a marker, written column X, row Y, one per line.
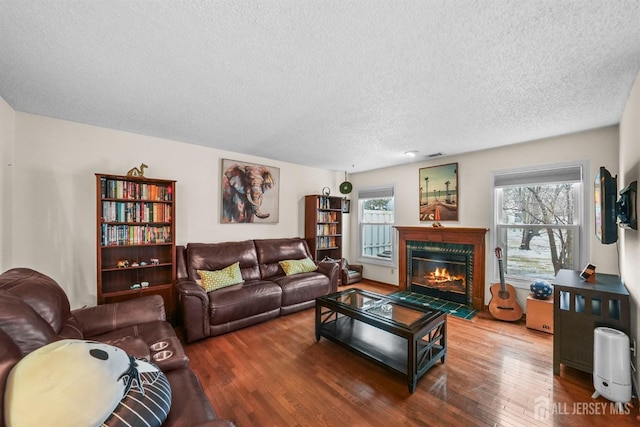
column 351, row 273
column 34, row 311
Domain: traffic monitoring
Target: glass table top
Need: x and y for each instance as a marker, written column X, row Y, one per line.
column 378, row 305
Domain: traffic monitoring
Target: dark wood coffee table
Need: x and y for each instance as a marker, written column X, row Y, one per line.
column 406, row 338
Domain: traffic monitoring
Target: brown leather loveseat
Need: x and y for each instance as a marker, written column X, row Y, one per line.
column 265, row 293
column 35, row 311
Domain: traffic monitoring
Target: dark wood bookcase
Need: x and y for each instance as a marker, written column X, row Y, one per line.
column 323, row 226
column 135, row 222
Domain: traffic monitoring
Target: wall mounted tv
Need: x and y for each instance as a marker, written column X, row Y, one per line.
column 611, row 211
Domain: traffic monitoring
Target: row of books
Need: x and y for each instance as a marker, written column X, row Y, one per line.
column 326, row 229
column 118, row 189
column 136, row 212
column 325, row 203
column 327, row 242
column 328, row 216
column 120, row 235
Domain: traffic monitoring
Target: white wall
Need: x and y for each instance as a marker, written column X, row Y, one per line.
column 54, row 200
column 630, row 239
column 475, row 180
column 7, row 128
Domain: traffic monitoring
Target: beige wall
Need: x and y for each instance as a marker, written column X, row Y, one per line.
column 598, row 147
column 48, row 195
column 54, row 202
column 630, row 171
column 7, row 128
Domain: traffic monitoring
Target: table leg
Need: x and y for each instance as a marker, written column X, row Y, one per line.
column 412, row 363
column 318, row 321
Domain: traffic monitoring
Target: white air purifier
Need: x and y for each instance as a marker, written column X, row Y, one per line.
column 611, row 365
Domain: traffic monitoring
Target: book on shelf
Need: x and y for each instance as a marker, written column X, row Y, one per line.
column 123, row 235
column 135, row 212
column 327, row 242
column 121, row 189
column 326, row 229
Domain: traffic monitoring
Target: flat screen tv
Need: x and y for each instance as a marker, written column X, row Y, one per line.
column 605, row 190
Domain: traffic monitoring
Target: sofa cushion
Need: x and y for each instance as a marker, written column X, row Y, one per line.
column 41, row 292
column 190, row 406
column 216, row 256
column 23, row 324
column 212, row 280
column 303, row 287
column 297, row 266
column 245, row 300
column 271, row 251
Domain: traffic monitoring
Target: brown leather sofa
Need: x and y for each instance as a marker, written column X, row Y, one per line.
column 266, row 292
column 35, row 311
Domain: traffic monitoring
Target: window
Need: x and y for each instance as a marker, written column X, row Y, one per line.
column 539, row 221
column 376, row 219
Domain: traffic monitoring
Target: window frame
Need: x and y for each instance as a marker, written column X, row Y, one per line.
column 580, row 228
column 383, row 191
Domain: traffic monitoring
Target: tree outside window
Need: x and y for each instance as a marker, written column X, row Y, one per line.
column 539, row 225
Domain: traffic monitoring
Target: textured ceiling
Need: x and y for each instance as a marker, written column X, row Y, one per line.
column 335, row 84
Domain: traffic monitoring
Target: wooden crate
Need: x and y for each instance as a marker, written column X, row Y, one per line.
column 540, row 314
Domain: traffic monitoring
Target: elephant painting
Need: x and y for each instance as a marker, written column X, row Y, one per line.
column 244, row 193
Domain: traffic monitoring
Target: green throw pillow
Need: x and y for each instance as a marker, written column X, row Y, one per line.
column 295, row 266
column 212, row 280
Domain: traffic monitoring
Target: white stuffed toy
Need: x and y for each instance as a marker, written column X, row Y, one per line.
column 81, row 383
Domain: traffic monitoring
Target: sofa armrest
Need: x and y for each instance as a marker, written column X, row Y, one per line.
column 110, row 317
column 194, row 304
column 332, row 271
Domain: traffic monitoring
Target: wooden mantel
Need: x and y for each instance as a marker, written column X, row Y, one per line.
column 461, row 235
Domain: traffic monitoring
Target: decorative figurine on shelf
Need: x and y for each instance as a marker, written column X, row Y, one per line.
column 143, row 263
column 155, row 261
column 135, row 264
column 135, row 286
column 139, row 172
column 123, row 263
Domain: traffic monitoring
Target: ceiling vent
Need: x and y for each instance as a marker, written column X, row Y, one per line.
column 434, row 155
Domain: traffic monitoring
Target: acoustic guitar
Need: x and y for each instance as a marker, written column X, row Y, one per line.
column 503, row 304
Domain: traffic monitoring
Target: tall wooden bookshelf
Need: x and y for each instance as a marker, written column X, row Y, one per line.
column 323, row 226
column 135, row 222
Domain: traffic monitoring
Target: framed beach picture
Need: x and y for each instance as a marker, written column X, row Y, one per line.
column 439, row 193
column 250, row 193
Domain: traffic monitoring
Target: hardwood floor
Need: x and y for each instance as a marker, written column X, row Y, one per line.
column 496, row 374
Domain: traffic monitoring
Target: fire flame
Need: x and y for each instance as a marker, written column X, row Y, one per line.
column 443, row 275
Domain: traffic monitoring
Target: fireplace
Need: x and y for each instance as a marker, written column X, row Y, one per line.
column 424, row 252
column 441, row 270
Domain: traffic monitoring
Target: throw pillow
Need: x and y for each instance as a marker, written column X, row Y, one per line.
column 296, row 266
column 83, row 383
column 212, row 280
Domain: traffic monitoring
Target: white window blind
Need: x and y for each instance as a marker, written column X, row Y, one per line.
column 565, row 174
